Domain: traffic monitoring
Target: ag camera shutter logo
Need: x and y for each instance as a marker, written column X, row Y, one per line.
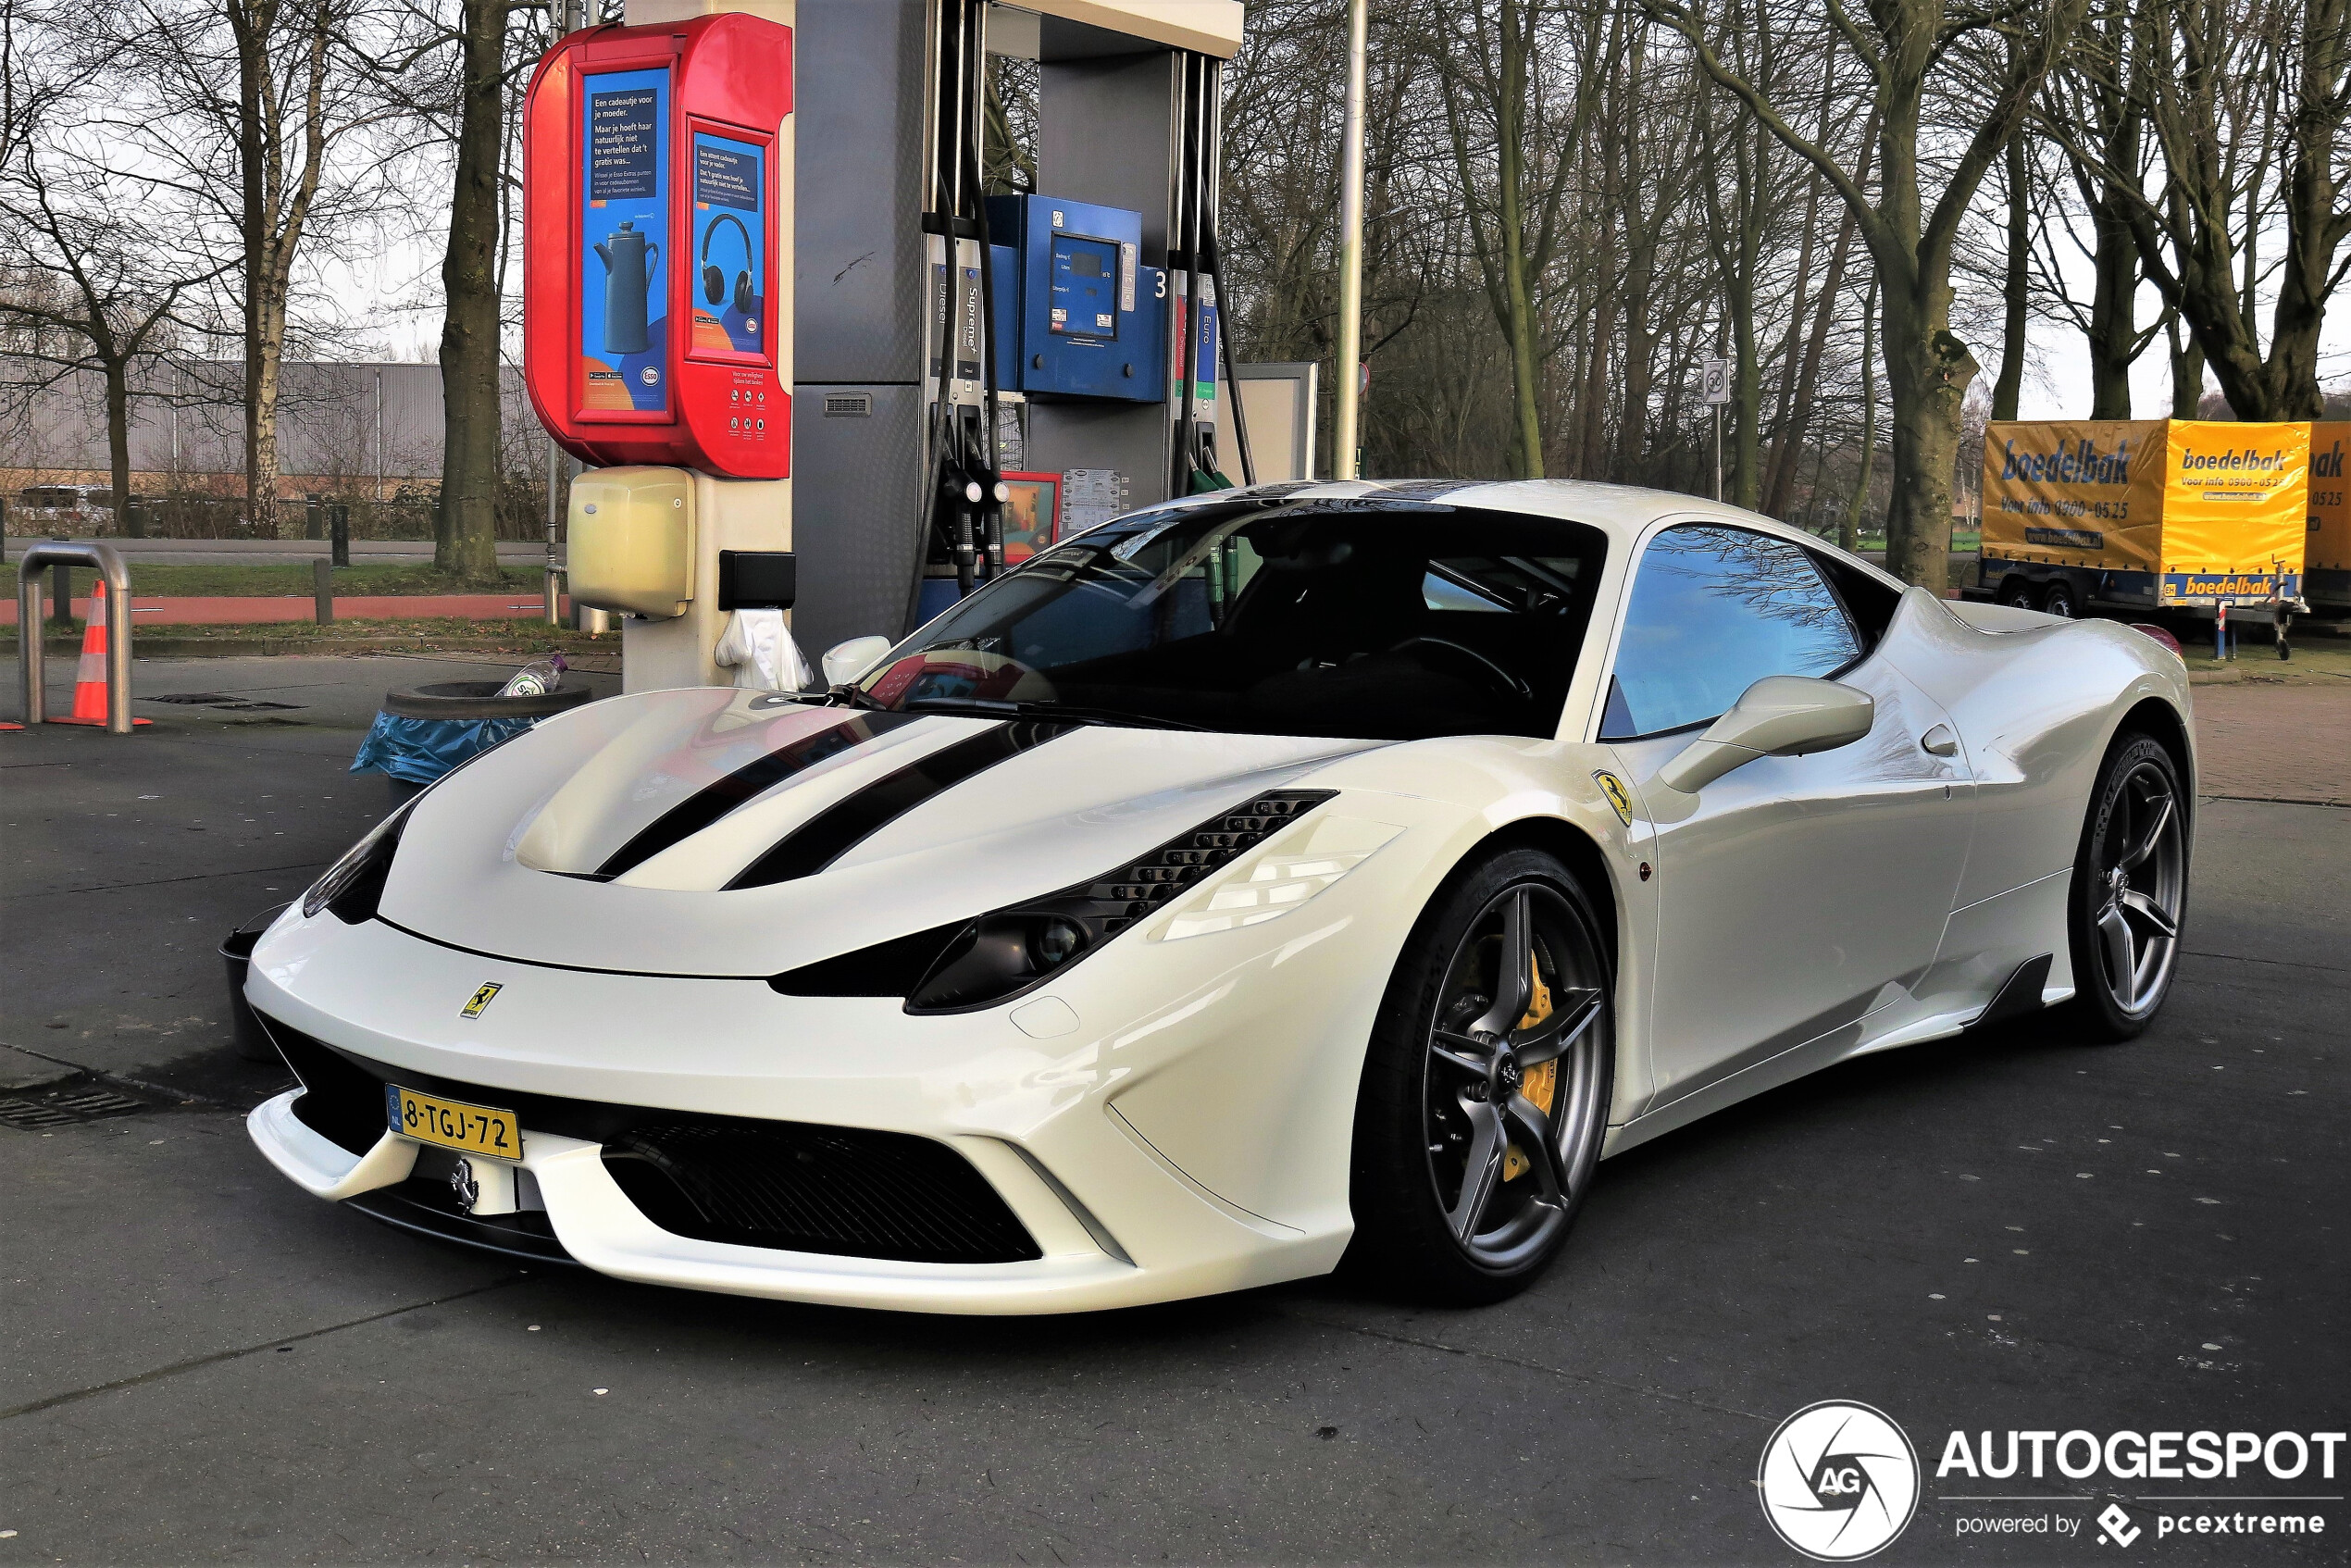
column 1839, row 1481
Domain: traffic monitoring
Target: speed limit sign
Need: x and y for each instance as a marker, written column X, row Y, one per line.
column 1715, row 376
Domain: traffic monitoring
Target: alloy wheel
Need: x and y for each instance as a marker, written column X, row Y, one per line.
column 1512, row 1090
column 2141, row 860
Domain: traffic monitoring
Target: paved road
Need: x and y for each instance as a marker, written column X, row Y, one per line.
column 2014, row 1231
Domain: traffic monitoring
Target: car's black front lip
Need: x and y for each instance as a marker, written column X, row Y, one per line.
column 426, row 1208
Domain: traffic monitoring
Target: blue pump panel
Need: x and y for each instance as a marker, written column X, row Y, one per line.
column 1091, row 323
column 1003, row 330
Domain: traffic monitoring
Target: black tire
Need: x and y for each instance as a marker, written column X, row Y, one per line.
column 2060, row 598
column 2017, row 592
column 1440, row 1088
column 2128, row 903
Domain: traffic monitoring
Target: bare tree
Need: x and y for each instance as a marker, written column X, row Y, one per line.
column 1488, row 64
column 1914, row 54
column 241, row 106
column 95, row 284
column 2249, row 102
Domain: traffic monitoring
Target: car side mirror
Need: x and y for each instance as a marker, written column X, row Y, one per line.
column 844, row 661
column 1780, row 715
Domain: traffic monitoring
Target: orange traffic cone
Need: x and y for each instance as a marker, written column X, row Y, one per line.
column 90, row 679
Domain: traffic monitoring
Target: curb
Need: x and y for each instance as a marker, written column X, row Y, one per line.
column 268, row 647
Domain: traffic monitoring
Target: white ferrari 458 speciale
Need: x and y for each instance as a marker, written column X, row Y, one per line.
column 1264, row 878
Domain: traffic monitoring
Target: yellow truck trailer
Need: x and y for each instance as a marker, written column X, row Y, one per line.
column 2327, row 577
column 2150, row 513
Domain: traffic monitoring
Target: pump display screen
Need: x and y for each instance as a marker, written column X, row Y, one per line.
column 624, row 254
column 730, row 285
column 1085, row 287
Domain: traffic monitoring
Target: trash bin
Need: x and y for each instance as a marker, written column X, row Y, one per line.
column 236, row 953
column 420, row 735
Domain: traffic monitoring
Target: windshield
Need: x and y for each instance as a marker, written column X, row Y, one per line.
column 1379, row 620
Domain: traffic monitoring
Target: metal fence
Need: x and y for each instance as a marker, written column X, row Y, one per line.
column 406, row 514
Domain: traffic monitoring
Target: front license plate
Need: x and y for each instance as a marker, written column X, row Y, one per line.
column 477, row 1129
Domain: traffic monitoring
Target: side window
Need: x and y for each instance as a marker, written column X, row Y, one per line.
column 1713, row 610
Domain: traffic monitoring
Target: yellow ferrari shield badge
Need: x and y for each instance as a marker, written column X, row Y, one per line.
column 1613, row 787
column 480, row 1000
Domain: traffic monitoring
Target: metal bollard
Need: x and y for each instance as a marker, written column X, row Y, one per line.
column 322, row 590
column 61, row 590
column 339, row 529
column 114, row 580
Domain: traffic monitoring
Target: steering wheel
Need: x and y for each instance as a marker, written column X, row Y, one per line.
column 1501, row 676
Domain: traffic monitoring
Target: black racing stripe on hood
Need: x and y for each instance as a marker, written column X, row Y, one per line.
column 711, row 801
column 833, row 832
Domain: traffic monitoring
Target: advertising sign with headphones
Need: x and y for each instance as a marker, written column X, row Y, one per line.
column 730, row 238
column 623, row 232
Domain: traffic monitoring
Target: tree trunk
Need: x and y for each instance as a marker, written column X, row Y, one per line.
column 2008, row 390
column 1928, row 371
column 1511, row 124
column 1593, row 415
column 250, row 25
column 465, row 523
column 1784, row 442
column 1779, row 493
column 2115, row 342
column 269, row 339
column 118, row 442
column 2187, row 371
column 1849, row 537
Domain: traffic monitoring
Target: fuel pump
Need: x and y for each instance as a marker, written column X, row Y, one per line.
column 926, row 339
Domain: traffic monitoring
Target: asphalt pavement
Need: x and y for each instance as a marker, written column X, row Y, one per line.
column 2010, row 1230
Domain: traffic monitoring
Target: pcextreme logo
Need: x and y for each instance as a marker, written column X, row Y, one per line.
column 1839, row 1481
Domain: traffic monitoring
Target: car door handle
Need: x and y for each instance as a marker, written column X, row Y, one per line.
column 1939, row 741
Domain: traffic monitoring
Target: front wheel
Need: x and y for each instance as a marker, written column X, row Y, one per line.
column 2129, row 890
column 1485, row 1090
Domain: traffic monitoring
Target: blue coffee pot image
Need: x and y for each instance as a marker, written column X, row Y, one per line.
column 629, row 259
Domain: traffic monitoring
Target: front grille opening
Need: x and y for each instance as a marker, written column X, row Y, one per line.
column 340, row 1101
column 787, row 1186
column 844, row 1191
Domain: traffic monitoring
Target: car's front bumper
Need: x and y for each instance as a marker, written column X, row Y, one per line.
column 1115, row 1221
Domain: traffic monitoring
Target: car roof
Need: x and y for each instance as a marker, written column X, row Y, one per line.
column 1622, row 512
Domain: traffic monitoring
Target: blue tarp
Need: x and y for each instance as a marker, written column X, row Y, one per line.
column 421, row 750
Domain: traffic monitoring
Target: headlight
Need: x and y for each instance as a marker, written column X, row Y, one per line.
column 353, row 884
column 996, row 957
column 1007, row 951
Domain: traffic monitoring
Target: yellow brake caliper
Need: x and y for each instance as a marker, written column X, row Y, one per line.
column 1540, row 1083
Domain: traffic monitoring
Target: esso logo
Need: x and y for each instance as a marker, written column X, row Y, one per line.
column 1839, row 1481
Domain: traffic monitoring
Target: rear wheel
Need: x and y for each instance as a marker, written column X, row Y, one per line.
column 2129, row 890
column 1486, row 1091
column 2017, row 592
column 2060, row 598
